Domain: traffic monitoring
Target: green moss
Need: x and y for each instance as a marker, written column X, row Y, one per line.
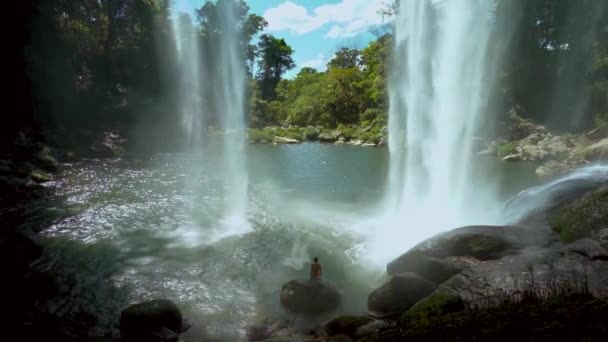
column 505, row 149
column 347, row 324
column 583, row 217
column 438, row 303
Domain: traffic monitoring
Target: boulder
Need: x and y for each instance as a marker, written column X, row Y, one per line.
column 588, row 248
column 155, row 320
column 309, row 297
column 330, row 136
column 285, row 140
column 347, row 325
column 512, row 157
column 434, row 269
column 356, row 142
column 398, row 295
column 39, row 176
column 438, row 303
column 551, row 168
column 46, row 160
column 521, row 128
column 369, row 144
column 582, row 217
column 597, row 151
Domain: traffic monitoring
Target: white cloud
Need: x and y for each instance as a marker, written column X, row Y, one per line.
column 349, row 17
column 319, row 63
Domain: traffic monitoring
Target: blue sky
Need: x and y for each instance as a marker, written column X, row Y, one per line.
column 313, row 28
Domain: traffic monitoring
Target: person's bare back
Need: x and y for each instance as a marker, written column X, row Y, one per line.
column 315, row 270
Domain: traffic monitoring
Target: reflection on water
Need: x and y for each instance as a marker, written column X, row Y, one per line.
column 136, row 229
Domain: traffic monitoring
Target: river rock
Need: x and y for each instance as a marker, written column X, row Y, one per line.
column 398, row 295
column 512, row 157
column 356, row 142
column 155, row 320
column 434, row 269
column 330, row 137
column 39, row 176
column 285, row 140
column 587, row 247
column 46, row 160
column 597, row 151
column 521, row 128
column 552, row 168
column 309, row 297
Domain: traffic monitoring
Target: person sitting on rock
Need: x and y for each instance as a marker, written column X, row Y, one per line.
column 315, row 269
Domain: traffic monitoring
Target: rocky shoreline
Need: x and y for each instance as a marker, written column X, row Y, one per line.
column 368, row 136
column 554, row 154
column 553, row 257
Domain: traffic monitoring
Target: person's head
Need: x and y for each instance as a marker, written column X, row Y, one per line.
column 315, row 259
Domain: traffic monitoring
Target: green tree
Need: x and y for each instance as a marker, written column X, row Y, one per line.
column 275, row 60
column 345, row 58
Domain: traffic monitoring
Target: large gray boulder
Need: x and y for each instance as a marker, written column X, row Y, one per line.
column 309, row 297
column 398, row 295
column 154, row 320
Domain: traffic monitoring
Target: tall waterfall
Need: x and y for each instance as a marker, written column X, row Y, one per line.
column 232, row 104
column 212, row 86
column 438, row 94
column 188, row 80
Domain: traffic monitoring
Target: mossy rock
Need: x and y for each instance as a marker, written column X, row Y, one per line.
column 39, row 176
column 505, row 149
column 438, row 303
column 347, row 325
column 583, row 217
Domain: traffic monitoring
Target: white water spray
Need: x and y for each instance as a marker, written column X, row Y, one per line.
column 437, row 98
column 227, row 78
column 189, row 94
column 232, row 106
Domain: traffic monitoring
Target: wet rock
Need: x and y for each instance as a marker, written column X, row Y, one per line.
column 521, row 128
column 46, row 160
column 155, row 320
column 512, row 157
column 431, row 268
column 597, row 151
column 438, row 303
column 583, row 217
column 309, row 297
column 369, row 145
column 356, row 142
column 588, row 248
column 285, row 140
column 39, row 176
column 347, row 325
column 551, row 168
column 398, row 295
column 340, row 338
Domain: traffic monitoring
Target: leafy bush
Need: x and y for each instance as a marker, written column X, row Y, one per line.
column 505, row 149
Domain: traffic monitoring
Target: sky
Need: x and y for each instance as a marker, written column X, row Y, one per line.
column 315, row 29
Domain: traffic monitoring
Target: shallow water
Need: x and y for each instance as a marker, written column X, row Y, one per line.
column 126, row 230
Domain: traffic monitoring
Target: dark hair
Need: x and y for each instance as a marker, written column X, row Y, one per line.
column 316, row 259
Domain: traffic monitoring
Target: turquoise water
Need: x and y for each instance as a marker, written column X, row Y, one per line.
column 126, row 230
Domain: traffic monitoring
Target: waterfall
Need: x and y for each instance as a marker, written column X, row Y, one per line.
column 438, row 94
column 232, row 103
column 188, row 79
column 212, row 86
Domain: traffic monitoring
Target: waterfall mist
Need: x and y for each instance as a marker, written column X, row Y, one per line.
column 442, row 78
column 211, row 93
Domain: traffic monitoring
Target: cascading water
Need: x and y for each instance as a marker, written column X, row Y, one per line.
column 217, row 69
column 189, row 94
column 232, row 107
column 437, row 96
